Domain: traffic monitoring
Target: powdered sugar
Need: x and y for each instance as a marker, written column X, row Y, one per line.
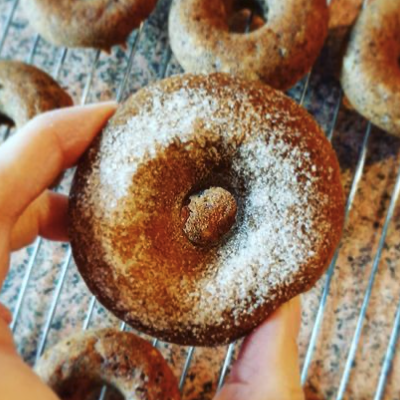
column 275, row 238
column 151, row 129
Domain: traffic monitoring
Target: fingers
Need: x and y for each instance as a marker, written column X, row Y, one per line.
column 268, row 366
column 17, row 380
column 4, row 252
column 6, row 338
column 46, row 216
column 51, row 142
column 5, row 314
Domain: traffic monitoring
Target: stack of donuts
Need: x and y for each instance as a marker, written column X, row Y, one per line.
column 210, row 198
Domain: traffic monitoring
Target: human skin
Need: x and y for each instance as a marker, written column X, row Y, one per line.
column 267, row 366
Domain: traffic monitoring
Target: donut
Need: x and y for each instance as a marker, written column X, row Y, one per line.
column 98, row 23
column 78, row 367
column 279, row 53
column 26, row 91
column 205, row 203
column 370, row 73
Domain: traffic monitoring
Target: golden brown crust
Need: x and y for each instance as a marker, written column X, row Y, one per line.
column 126, row 200
column 81, row 364
column 26, row 91
column 97, row 23
column 279, row 53
column 371, row 75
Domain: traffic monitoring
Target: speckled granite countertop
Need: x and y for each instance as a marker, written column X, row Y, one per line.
column 355, row 259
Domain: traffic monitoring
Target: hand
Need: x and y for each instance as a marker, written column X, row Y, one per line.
column 267, row 368
column 29, row 162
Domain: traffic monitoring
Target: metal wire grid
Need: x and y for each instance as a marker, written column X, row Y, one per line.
column 391, row 347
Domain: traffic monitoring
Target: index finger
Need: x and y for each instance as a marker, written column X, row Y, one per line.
column 51, row 142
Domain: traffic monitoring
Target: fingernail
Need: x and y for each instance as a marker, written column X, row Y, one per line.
column 108, row 103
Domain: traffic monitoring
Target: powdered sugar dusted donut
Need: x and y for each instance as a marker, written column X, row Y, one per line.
column 279, row 53
column 206, row 202
column 79, row 366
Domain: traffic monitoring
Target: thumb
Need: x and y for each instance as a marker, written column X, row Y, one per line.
column 268, row 367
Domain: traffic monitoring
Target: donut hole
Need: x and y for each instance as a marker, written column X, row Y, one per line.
column 209, row 215
column 248, row 16
column 225, row 179
column 86, row 388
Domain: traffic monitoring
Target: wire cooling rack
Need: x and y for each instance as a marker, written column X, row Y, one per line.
column 351, row 319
